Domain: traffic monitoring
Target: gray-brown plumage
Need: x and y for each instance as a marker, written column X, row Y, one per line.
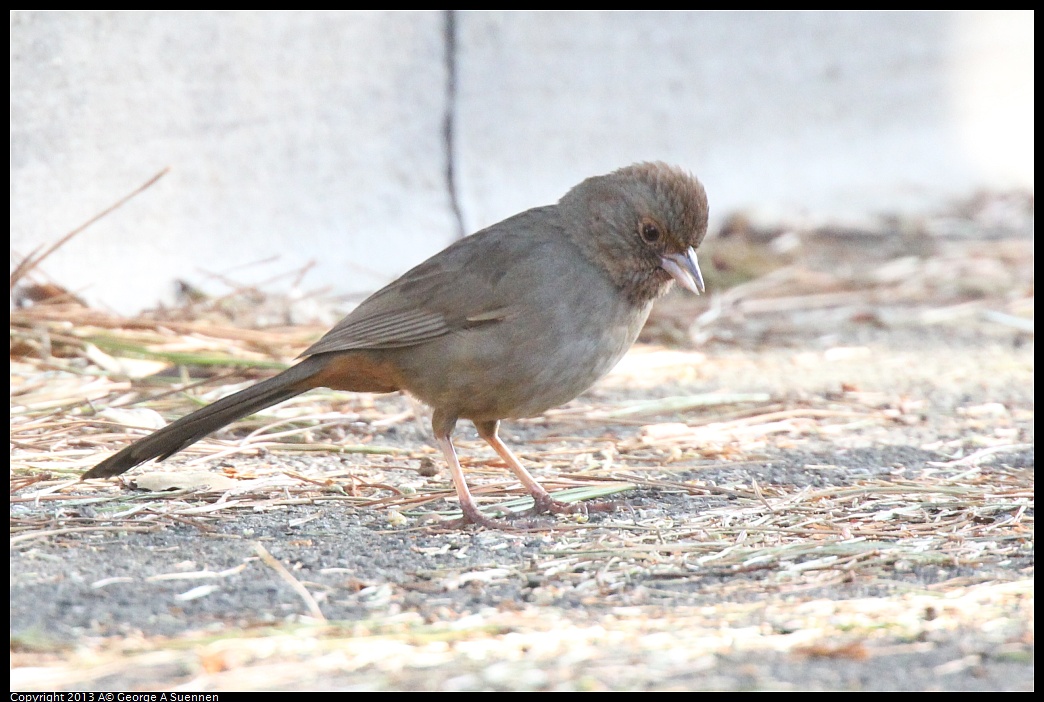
column 513, row 320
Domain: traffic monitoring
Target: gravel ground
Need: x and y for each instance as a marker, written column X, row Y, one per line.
column 858, row 517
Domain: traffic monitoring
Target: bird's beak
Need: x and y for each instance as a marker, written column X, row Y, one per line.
column 684, row 268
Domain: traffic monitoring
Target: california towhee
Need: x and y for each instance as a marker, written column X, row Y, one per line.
column 506, row 323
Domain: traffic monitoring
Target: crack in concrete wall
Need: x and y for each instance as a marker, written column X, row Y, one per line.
column 450, row 35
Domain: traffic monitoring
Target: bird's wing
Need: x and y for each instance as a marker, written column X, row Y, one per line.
column 473, row 282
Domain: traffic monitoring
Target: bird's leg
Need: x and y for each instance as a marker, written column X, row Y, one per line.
column 468, row 506
column 443, row 426
column 542, row 500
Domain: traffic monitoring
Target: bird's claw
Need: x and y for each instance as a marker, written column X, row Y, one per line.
column 543, row 504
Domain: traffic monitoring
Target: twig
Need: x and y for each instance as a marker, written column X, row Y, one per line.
column 285, row 574
column 30, row 262
column 74, row 530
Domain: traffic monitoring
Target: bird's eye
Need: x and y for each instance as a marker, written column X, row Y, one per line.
column 650, row 232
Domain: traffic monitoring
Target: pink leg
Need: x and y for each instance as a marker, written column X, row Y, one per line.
column 468, row 506
column 542, row 500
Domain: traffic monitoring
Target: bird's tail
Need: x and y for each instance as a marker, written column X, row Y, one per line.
column 193, row 427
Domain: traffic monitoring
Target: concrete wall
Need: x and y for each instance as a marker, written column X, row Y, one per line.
column 298, row 137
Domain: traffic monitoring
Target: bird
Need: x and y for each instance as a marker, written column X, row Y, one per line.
column 506, row 323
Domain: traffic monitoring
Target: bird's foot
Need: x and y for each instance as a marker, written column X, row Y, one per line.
column 545, row 503
column 472, row 515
